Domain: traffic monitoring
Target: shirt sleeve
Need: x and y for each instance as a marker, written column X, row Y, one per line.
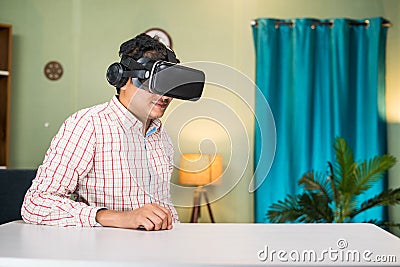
column 69, row 157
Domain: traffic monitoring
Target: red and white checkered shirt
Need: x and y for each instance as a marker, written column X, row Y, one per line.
column 101, row 154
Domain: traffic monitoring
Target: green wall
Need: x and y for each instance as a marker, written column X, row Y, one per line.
column 84, row 35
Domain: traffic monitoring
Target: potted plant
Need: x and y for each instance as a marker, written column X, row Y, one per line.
column 333, row 197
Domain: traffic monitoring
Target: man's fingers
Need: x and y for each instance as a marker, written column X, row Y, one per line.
column 146, row 224
column 168, row 212
column 164, row 216
column 153, row 217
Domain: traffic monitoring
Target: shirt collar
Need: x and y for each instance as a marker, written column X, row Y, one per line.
column 128, row 120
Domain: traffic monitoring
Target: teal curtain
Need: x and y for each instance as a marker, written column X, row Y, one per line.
column 322, row 79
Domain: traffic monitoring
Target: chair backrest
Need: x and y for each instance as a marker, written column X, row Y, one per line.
column 13, row 185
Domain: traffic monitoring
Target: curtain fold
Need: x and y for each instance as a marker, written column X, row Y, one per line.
column 321, row 81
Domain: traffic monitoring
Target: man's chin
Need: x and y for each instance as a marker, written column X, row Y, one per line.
column 156, row 114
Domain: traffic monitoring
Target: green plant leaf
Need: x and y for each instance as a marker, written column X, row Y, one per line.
column 307, row 207
column 385, row 198
column 332, row 182
column 285, row 211
column 371, row 171
column 315, row 208
column 317, row 182
column 344, row 168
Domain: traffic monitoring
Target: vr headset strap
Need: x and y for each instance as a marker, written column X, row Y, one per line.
column 130, row 63
column 141, row 74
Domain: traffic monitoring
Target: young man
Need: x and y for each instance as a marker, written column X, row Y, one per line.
column 115, row 156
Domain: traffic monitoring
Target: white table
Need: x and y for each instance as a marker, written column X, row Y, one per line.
column 199, row 245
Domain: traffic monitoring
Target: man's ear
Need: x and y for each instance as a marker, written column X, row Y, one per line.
column 128, row 82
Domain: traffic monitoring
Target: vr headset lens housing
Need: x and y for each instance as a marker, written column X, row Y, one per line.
column 175, row 81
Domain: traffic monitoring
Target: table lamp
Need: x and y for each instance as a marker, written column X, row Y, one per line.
column 200, row 170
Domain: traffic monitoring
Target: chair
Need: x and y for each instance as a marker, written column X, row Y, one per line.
column 13, row 185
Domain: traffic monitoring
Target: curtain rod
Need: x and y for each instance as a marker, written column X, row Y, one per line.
column 328, row 23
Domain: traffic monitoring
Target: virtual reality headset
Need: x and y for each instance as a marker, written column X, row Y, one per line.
column 158, row 77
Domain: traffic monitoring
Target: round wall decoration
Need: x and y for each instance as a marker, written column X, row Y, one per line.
column 53, row 70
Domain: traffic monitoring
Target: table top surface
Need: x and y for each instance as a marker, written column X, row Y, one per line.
column 24, row 244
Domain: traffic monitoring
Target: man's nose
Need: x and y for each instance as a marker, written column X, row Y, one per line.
column 165, row 98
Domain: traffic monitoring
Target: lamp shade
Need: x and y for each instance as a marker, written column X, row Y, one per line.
column 200, row 169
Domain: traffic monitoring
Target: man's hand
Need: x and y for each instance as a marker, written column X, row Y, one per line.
column 150, row 217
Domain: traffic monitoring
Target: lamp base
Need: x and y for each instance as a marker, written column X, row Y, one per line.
column 196, row 204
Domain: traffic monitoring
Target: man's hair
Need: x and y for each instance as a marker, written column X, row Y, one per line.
column 143, row 45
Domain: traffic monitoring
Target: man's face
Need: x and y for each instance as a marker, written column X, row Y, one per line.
column 158, row 105
column 146, row 105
